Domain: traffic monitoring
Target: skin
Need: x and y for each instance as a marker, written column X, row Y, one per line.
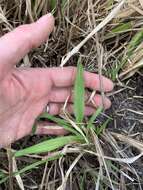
column 25, row 92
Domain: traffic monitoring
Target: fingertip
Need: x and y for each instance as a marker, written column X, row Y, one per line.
column 47, row 21
column 108, row 85
column 99, row 101
column 89, row 111
column 97, row 82
column 107, row 103
column 46, row 18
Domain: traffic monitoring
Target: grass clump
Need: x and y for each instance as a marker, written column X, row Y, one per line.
column 97, row 154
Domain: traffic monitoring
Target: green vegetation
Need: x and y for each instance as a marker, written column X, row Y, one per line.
column 98, row 152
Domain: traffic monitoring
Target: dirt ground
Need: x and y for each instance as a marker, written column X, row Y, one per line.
column 126, row 112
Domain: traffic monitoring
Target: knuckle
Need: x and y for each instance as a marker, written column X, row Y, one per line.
column 73, row 73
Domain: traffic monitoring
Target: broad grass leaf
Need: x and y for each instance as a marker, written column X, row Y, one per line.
column 79, row 93
column 48, row 145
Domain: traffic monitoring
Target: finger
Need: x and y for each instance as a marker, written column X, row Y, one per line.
column 56, row 109
column 45, row 128
column 99, row 101
column 57, row 77
column 52, row 129
column 60, row 95
column 63, row 77
column 87, row 111
column 16, row 44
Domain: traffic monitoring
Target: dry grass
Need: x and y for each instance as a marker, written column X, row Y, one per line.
column 108, row 42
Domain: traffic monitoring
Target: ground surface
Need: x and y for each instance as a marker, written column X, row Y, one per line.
column 72, row 25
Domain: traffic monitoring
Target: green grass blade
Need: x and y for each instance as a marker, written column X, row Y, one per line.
column 135, row 41
column 4, row 179
column 2, row 174
column 53, row 4
column 100, row 129
column 34, row 128
column 94, row 116
column 31, row 166
column 34, row 165
column 53, row 118
column 121, row 28
column 79, row 92
column 48, row 145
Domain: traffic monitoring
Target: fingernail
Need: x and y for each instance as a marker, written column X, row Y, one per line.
column 44, row 17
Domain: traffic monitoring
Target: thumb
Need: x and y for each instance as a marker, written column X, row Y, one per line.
column 43, row 28
column 16, row 44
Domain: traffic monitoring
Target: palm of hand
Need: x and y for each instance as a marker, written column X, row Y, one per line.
column 21, row 100
column 24, row 93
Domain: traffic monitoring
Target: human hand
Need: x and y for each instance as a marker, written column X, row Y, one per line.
column 25, row 92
